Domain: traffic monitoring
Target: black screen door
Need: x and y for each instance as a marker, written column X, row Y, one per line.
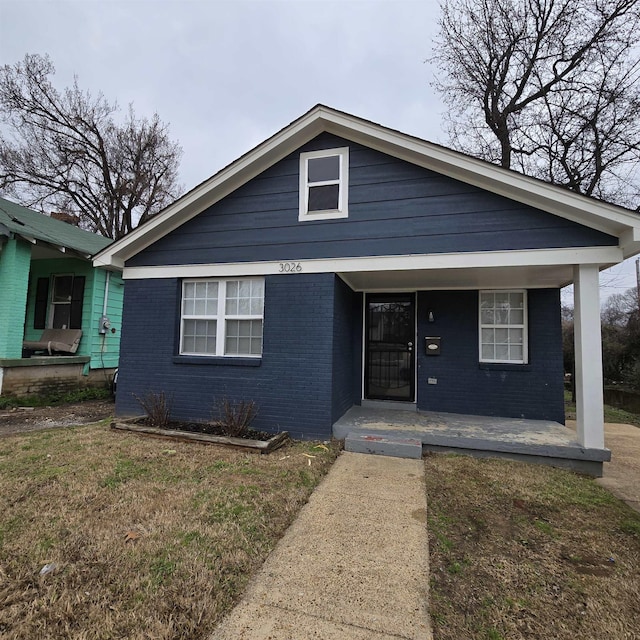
column 389, row 352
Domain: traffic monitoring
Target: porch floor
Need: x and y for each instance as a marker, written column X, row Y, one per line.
column 540, row 441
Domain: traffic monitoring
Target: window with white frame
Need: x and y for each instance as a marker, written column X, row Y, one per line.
column 503, row 326
column 324, row 180
column 222, row 317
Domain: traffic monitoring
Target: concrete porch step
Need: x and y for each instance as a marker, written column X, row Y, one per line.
column 383, row 445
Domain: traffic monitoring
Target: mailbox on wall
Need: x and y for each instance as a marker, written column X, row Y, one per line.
column 432, row 345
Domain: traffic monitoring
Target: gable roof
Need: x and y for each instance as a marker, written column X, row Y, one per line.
column 37, row 227
column 599, row 215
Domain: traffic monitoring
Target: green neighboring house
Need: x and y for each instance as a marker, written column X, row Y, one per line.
column 47, row 281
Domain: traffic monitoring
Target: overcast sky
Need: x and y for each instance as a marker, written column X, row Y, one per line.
column 227, row 75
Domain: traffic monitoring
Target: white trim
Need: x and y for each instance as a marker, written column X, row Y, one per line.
column 587, row 211
column 524, row 326
column 588, row 357
column 522, row 258
column 52, row 304
column 364, row 344
column 304, row 215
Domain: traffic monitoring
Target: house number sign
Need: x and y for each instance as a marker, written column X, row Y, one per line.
column 290, row 267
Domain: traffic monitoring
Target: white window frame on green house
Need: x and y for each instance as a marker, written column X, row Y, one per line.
column 323, row 176
column 222, row 317
column 55, row 303
column 502, row 319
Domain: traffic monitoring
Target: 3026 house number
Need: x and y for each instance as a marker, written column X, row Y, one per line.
column 290, row 267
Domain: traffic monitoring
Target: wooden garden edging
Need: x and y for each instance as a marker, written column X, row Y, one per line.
column 258, row 446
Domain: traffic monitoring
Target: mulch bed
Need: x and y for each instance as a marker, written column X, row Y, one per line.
column 207, row 433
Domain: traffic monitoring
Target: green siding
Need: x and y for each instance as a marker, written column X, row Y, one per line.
column 104, row 350
column 14, row 278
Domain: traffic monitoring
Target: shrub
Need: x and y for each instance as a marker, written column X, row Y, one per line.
column 235, row 418
column 157, row 407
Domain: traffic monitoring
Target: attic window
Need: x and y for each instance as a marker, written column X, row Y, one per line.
column 324, row 180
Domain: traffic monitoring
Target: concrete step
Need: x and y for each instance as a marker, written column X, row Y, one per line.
column 380, row 445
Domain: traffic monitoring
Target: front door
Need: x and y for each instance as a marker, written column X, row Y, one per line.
column 389, row 347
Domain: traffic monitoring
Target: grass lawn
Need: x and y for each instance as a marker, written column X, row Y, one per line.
column 523, row 551
column 611, row 414
column 150, row 538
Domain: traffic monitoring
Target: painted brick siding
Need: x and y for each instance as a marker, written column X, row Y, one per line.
column 15, row 257
column 292, row 385
column 464, row 385
column 346, row 391
column 395, row 208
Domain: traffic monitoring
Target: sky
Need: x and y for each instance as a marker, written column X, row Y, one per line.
column 226, row 75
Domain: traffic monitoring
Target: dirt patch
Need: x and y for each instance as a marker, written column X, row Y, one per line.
column 26, row 419
column 524, row 551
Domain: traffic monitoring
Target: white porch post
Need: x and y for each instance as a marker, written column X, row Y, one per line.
column 588, row 352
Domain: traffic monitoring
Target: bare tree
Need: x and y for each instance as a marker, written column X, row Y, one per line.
column 64, row 151
column 621, row 338
column 547, row 87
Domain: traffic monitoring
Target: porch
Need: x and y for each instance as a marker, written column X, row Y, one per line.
column 536, row 441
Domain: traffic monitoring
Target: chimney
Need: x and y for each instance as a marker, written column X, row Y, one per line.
column 63, row 216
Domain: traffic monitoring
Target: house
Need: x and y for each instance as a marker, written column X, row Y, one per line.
column 341, row 263
column 48, row 282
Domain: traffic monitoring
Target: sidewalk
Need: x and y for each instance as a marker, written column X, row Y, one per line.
column 354, row 565
column 622, row 474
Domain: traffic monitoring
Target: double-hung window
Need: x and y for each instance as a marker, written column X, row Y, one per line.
column 58, row 302
column 222, row 317
column 503, row 326
column 324, row 180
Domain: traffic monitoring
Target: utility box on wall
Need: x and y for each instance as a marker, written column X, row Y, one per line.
column 432, row 345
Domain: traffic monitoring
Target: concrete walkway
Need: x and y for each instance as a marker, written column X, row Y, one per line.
column 354, row 565
column 622, row 475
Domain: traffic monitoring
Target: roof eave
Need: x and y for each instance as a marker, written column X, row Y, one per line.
column 490, row 177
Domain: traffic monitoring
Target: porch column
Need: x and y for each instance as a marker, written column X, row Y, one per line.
column 15, row 259
column 588, row 353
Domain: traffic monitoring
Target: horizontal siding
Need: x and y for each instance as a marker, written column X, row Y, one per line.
column 105, row 348
column 61, row 266
column 395, row 208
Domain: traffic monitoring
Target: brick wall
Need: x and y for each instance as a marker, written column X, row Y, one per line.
column 291, row 383
column 465, row 386
column 345, row 385
column 50, row 378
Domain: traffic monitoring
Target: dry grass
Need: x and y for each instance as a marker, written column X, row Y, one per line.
column 528, row 552
column 151, row 538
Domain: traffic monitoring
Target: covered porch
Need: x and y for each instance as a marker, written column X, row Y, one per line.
column 465, row 423
column 536, row 441
column 58, row 314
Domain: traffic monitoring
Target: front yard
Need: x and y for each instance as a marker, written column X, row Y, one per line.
column 526, row 552
column 146, row 538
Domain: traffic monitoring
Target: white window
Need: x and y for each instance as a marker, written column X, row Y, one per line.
column 222, row 317
column 503, row 326
column 324, row 180
column 60, row 310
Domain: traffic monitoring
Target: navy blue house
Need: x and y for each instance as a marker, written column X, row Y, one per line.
column 341, row 262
